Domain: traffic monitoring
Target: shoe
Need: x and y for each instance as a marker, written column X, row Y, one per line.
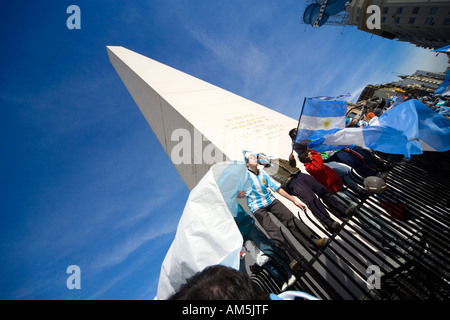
column 335, row 225
column 321, row 242
column 256, row 253
column 295, row 266
column 289, row 283
column 351, row 210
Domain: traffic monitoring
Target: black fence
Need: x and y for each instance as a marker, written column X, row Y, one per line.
column 395, row 247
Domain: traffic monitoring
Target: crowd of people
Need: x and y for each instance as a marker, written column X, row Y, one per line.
column 439, row 104
column 375, row 107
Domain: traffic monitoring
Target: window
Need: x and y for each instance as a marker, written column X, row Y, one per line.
column 416, row 10
column 411, row 20
column 447, row 21
column 397, row 20
column 399, row 10
column 383, row 20
column 385, row 10
column 429, row 21
column 433, row 10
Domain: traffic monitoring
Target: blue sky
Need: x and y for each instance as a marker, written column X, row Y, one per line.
column 85, row 181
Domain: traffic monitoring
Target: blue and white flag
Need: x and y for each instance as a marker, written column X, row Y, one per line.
column 425, row 129
column 409, row 128
column 323, row 121
column 320, row 116
column 384, row 139
column 443, row 49
column 207, row 233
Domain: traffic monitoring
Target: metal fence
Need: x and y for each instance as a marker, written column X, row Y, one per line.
column 403, row 233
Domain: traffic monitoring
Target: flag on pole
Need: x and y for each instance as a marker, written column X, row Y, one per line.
column 408, row 128
column 384, row 139
column 323, row 121
column 320, row 116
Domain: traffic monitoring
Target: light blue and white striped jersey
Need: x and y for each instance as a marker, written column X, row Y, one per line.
column 261, row 194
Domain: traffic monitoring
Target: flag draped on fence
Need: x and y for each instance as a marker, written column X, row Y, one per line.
column 408, row 128
column 207, row 233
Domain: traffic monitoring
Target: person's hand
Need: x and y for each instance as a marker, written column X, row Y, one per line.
column 301, row 206
column 291, row 157
column 241, row 194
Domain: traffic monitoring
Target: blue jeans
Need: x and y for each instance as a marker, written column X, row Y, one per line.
column 266, row 246
column 344, row 172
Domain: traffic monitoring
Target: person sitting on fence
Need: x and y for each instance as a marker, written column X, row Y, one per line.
column 261, row 201
column 308, row 189
column 314, row 165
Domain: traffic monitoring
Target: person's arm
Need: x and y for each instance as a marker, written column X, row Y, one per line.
column 291, row 198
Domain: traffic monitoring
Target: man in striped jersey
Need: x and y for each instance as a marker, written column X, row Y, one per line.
column 261, row 201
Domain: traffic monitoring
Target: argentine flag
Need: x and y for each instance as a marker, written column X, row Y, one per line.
column 425, row 129
column 321, row 116
column 323, row 121
column 408, row 128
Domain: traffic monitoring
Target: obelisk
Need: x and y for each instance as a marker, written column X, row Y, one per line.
column 197, row 123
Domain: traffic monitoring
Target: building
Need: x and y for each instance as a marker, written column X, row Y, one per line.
column 423, row 23
column 420, row 83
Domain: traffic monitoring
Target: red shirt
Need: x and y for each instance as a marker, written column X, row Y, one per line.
column 324, row 174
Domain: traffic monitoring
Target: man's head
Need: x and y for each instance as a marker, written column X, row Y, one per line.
column 378, row 112
column 305, row 156
column 219, row 283
column 293, row 134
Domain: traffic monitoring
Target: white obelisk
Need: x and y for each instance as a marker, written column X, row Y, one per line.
column 185, row 111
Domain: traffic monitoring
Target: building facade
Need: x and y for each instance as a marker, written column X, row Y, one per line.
column 423, row 23
column 420, row 83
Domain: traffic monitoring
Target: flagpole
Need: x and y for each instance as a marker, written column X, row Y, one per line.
column 301, row 112
column 298, row 124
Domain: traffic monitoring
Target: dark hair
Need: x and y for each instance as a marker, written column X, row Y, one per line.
column 378, row 112
column 303, row 156
column 292, row 134
column 219, row 283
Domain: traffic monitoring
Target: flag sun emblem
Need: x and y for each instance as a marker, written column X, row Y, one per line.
column 326, row 124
